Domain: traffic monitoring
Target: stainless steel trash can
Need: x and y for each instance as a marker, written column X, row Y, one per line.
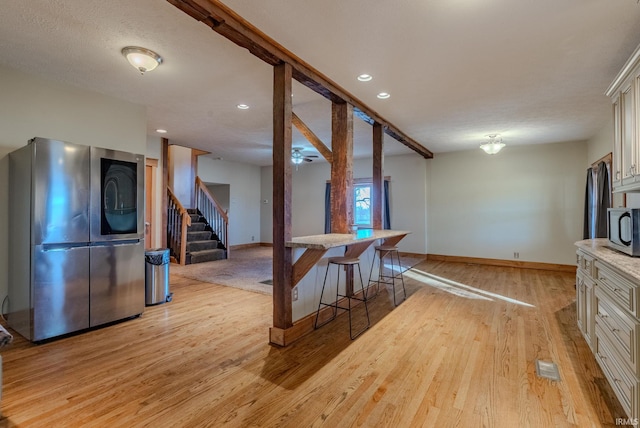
column 156, row 276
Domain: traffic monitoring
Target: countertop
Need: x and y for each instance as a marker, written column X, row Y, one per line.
column 332, row 240
column 598, row 248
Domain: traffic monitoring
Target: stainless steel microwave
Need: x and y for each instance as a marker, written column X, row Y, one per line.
column 623, row 225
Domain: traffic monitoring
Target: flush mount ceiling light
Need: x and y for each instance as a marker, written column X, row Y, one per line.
column 383, row 95
column 494, row 145
column 161, row 131
column 365, row 77
column 242, row 106
column 142, row 59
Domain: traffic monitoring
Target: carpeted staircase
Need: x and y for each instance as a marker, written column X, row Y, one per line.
column 203, row 244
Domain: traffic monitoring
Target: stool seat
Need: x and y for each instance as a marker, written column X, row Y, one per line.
column 386, row 248
column 344, row 260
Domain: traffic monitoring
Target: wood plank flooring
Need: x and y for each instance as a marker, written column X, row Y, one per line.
column 460, row 351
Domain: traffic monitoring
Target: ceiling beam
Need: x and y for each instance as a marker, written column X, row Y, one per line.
column 313, row 138
column 229, row 24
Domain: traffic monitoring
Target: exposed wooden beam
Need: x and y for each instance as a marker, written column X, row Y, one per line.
column 312, row 138
column 282, row 269
column 377, row 177
column 305, row 262
column 229, row 24
column 342, row 168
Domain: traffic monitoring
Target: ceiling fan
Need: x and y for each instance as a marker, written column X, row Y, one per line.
column 297, row 157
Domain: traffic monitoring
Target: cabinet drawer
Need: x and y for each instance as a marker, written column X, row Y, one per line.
column 622, row 383
column 585, row 263
column 621, row 330
column 621, row 289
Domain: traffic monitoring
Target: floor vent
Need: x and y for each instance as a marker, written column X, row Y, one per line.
column 547, row 370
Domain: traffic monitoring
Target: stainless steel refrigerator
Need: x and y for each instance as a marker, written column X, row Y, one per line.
column 76, row 218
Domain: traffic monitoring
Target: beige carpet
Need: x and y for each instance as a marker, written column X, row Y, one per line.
column 244, row 269
column 248, row 269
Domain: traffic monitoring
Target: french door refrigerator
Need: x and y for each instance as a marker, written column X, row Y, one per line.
column 64, row 276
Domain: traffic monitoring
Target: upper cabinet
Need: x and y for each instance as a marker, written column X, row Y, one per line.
column 625, row 94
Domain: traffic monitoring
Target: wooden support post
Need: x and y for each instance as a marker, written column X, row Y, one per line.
column 282, row 269
column 341, row 167
column 378, row 177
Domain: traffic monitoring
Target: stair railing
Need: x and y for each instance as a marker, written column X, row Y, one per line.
column 178, row 220
column 211, row 210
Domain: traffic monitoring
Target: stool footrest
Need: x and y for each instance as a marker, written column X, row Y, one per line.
column 343, row 261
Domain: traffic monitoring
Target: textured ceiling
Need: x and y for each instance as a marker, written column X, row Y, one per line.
column 457, row 70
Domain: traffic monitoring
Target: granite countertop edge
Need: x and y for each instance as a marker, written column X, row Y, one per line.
column 332, row 240
column 599, row 249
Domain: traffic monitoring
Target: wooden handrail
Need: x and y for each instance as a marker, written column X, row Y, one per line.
column 178, row 222
column 200, row 185
column 212, row 211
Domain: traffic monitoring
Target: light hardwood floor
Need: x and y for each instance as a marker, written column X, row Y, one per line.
column 451, row 355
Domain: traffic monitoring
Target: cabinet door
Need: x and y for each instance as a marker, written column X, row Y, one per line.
column 60, row 291
column 589, row 313
column 117, row 282
column 616, row 162
column 628, row 135
column 580, row 302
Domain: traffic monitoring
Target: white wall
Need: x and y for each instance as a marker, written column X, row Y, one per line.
column 180, row 179
column 600, row 144
column 527, row 199
column 33, row 107
column 244, row 191
column 407, row 198
column 221, row 193
column 266, row 204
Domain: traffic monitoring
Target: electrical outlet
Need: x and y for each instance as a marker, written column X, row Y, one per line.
column 516, row 255
column 294, row 294
column 252, row 238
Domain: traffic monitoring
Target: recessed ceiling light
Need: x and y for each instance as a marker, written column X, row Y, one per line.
column 383, row 95
column 365, row 77
column 243, row 106
column 161, row 131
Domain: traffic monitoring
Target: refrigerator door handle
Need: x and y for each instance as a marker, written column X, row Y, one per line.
column 64, row 246
column 114, row 243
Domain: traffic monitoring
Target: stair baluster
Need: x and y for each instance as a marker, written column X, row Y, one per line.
column 178, row 220
column 211, row 210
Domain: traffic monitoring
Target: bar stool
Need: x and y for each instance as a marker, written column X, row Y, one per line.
column 382, row 251
column 349, row 263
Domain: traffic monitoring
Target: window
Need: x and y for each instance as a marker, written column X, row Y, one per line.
column 362, row 210
column 362, row 204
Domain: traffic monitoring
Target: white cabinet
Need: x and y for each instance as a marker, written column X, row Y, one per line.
column 625, row 95
column 616, row 162
column 608, row 310
column 584, row 295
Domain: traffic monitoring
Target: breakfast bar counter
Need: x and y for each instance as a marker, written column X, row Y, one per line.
column 356, row 243
column 332, row 240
